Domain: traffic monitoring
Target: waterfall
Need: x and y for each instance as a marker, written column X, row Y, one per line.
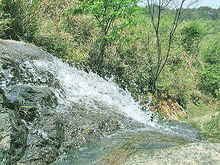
column 93, row 91
column 63, row 115
column 27, row 64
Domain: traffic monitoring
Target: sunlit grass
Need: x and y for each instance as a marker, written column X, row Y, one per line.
column 206, row 118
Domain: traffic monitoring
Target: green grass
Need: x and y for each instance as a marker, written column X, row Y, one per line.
column 212, row 128
column 206, row 118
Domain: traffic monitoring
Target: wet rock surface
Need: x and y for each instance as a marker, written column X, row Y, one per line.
column 38, row 134
column 38, row 126
column 4, row 136
column 194, row 153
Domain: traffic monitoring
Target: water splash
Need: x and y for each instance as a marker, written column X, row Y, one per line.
column 73, row 86
column 93, row 91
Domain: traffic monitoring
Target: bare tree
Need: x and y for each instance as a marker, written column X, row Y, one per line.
column 155, row 10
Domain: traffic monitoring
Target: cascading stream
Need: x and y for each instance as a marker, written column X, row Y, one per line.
column 93, row 91
column 78, row 87
column 60, row 114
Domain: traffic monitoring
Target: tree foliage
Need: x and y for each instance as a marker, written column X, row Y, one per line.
column 192, row 34
column 106, row 12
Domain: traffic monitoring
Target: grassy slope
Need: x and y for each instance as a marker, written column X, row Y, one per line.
column 206, row 117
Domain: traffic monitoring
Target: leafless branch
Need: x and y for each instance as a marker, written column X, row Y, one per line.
column 156, row 21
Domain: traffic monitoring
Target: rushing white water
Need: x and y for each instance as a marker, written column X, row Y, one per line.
column 74, row 87
column 93, row 92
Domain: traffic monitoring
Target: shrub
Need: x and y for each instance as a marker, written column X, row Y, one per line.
column 23, row 19
column 210, row 79
column 5, row 24
column 5, row 21
column 211, row 129
column 210, row 76
column 211, row 50
column 191, row 36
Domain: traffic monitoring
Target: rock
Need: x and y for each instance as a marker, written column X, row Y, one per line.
column 5, row 142
column 4, row 131
column 38, row 130
column 194, row 153
column 34, row 124
column 41, row 126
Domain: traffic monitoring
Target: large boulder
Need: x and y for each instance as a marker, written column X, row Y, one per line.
column 36, row 131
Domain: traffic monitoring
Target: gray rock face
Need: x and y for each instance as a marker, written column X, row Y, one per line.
column 4, row 136
column 195, row 153
column 38, row 127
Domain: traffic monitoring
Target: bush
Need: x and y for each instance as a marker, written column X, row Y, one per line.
column 5, row 21
column 23, row 19
column 210, row 76
column 217, row 93
column 5, row 24
column 211, row 129
column 210, row 79
column 211, row 50
column 180, row 84
column 191, row 36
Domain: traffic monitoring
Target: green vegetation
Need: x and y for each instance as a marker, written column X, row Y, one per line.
column 171, row 54
column 191, row 36
column 210, row 77
column 105, row 14
column 206, row 117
